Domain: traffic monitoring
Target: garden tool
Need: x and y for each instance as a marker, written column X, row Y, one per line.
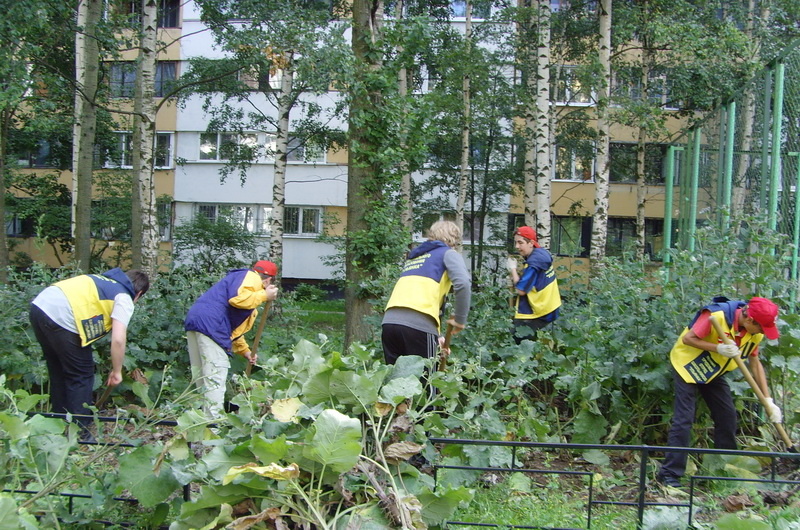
column 752, row 382
column 259, row 331
column 448, row 335
column 103, row 397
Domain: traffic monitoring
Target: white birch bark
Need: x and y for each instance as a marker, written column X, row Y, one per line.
column 463, row 173
column 144, row 221
column 281, row 147
column 87, row 66
column 601, row 186
column 541, row 134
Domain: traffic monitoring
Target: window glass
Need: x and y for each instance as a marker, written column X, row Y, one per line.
column 567, row 237
column 166, row 73
column 168, row 11
column 163, row 150
column 123, row 79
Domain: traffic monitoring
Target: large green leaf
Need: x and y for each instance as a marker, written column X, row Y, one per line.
column 398, row 390
column 14, row 426
column 351, row 388
column 268, row 451
column 334, row 440
column 316, row 389
column 438, row 507
column 307, row 359
column 137, row 474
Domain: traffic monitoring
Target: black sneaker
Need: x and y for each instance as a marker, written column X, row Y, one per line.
column 668, row 480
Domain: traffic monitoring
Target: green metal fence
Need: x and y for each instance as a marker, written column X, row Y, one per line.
column 742, row 159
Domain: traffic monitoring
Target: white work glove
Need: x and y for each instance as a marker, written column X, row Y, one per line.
column 728, row 350
column 773, row 411
column 511, row 264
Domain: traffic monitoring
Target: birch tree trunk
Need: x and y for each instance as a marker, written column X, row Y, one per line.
column 87, row 66
column 285, row 103
column 601, row 186
column 748, row 114
column 144, row 220
column 463, row 173
column 541, row 137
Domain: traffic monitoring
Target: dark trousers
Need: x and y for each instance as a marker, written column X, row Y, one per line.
column 527, row 328
column 400, row 340
column 717, row 395
column 70, row 366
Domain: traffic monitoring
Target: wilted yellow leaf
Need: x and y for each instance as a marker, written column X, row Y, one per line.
column 285, row 410
column 273, row 470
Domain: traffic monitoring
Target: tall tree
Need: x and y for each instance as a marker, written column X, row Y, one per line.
column 87, row 66
column 374, row 237
column 601, row 194
column 285, row 52
column 466, row 117
column 362, row 165
column 144, row 224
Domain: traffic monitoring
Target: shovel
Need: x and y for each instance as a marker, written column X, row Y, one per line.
column 752, row 382
column 446, row 346
column 261, row 323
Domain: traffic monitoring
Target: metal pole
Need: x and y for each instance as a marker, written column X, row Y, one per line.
column 669, row 179
column 694, row 187
column 775, row 158
column 795, row 232
column 765, row 128
column 727, row 173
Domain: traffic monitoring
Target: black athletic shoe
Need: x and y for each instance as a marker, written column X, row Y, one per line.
column 668, row 480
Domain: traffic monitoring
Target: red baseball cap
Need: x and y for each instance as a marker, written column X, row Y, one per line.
column 528, row 233
column 266, row 267
column 764, row 311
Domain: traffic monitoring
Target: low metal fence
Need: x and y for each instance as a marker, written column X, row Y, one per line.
column 640, row 502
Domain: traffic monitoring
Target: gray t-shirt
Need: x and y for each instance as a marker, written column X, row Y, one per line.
column 462, row 288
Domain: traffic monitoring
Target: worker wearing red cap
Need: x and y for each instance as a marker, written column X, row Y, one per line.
column 538, row 298
column 700, row 358
column 216, row 324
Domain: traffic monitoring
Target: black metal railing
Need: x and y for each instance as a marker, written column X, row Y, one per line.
column 645, row 451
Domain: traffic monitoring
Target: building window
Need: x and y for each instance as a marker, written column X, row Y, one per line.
column 627, row 85
column 458, row 9
column 253, row 218
column 224, row 146
column 574, row 163
column 122, row 79
column 570, row 88
column 39, row 156
column 163, row 153
column 169, row 13
column 570, row 236
column 123, row 152
column 302, row 221
column 262, row 79
column 166, row 74
column 622, row 162
column 307, row 152
column 622, row 236
column 17, row 226
column 164, row 218
column 167, row 17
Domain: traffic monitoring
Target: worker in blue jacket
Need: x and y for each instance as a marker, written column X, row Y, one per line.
column 216, row 324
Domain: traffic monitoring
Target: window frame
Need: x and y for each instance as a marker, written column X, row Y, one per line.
column 564, row 83
column 301, row 221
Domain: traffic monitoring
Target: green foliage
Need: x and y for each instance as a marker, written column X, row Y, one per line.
column 217, row 245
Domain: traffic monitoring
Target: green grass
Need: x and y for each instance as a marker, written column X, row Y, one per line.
column 544, row 507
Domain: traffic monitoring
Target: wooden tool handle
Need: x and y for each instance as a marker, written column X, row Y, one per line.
column 752, row 382
column 261, row 323
column 448, row 335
